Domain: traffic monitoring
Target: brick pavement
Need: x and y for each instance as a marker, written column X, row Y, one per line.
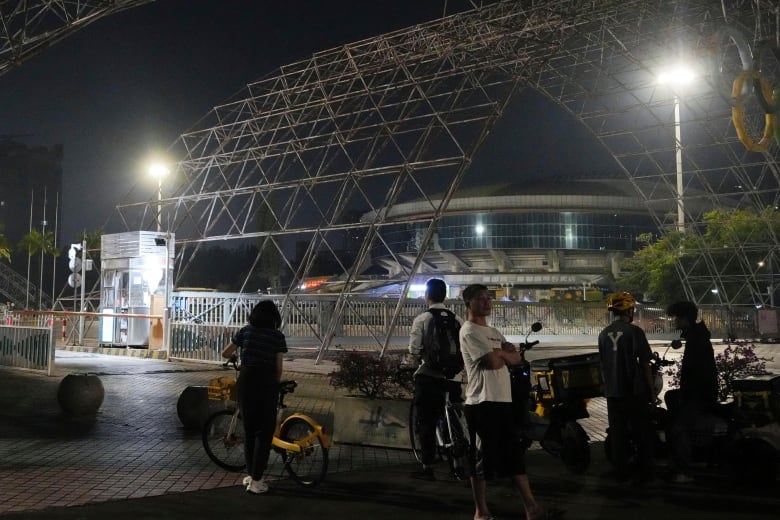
column 136, row 447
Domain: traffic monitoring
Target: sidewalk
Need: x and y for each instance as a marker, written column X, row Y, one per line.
column 134, row 459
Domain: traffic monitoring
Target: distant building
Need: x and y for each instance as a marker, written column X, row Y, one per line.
column 527, row 240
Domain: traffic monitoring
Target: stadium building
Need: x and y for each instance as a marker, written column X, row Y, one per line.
column 527, row 241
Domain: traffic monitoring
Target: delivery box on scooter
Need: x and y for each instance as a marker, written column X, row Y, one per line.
column 568, row 378
column 757, row 399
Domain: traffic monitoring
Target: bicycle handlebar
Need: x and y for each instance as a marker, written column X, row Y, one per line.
column 529, row 345
column 232, row 360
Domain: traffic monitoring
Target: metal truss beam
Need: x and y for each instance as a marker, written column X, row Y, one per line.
column 30, row 26
column 294, row 160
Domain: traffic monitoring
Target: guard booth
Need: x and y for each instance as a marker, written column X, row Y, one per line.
column 136, row 279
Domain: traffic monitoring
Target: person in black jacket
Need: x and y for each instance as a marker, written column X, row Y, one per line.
column 262, row 347
column 698, row 392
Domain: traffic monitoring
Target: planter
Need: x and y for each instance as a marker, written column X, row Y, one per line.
column 194, row 407
column 80, row 394
column 371, row 422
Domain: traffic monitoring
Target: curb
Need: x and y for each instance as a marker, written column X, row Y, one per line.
column 127, row 352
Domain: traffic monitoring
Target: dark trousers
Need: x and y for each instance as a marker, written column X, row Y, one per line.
column 629, row 420
column 258, row 400
column 429, row 402
column 683, row 416
column 495, row 451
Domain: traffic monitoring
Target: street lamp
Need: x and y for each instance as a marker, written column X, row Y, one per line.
column 159, row 170
column 771, row 288
column 677, row 77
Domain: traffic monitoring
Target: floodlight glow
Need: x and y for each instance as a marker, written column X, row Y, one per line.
column 479, row 229
column 679, row 75
column 158, row 170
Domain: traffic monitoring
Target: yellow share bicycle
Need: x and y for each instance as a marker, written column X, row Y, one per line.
column 298, row 439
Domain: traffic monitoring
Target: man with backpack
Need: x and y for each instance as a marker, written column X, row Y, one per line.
column 434, row 341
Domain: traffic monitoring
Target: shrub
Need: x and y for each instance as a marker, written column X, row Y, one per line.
column 737, row 360
column 371, row 376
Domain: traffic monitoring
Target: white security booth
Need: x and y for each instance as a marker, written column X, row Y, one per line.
column 136, row 279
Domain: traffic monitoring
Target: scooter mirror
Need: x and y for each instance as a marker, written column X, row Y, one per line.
column 536, row 327
column 676, row 344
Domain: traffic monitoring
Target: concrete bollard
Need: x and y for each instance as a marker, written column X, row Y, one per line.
column 194, row 407
column 80, row 394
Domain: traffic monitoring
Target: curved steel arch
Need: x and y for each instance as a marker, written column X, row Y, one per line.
column 356, row 129
column 26, row 28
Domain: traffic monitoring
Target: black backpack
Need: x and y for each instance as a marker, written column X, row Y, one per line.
column 441, row 343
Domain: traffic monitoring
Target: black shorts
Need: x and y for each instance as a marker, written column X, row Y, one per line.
column 495, row 448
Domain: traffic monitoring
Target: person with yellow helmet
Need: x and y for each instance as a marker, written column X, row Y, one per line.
column 625, row 362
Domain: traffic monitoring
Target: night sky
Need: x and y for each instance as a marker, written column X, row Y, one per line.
column 126, row 87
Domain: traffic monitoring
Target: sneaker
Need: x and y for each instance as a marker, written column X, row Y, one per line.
column 257, row 487
column 247, row 480
column 424, row 474
column 682, row 478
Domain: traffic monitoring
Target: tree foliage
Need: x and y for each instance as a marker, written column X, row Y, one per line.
column 5, row 246
column 654, row 269
column 35, row 242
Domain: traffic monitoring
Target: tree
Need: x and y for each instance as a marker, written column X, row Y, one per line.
column 656, row 268
column 652, row 270
column 37, row 243
column 5, row 245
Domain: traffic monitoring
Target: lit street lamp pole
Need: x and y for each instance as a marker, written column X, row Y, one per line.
column 771, row 287
column 679, row 76
column 678, row 161
column 159, row 170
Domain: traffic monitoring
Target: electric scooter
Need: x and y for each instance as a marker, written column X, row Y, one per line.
column 550, row 395
column 741, row 437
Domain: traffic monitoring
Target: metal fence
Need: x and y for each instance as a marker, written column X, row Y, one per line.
column 30, row 347
column 203, row 324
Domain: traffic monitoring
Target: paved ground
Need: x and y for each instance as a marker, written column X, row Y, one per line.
column 134, row 459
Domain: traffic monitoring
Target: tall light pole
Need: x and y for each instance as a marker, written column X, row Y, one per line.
column 771, row 288
column 159, row 170
column 678, row 77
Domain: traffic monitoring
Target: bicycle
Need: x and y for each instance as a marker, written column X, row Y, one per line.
column 452, row 440
column 299, row 440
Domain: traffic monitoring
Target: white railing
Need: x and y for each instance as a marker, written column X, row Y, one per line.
column 201, row 324
column 30, row 347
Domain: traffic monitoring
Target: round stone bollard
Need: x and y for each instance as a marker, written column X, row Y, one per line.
column 80, row 394
column 194, row 407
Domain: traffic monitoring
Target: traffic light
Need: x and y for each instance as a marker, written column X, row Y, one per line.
column 74, row 264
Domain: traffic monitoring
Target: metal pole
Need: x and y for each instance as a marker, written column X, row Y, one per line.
column 159, row 207
column 83, row 283
column 771, row 282
column 166, row 308
column 678, row 152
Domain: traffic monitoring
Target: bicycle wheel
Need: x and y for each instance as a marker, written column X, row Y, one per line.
column 310, row 465
column 414, row 438
column 458, row 452
column 225, row 447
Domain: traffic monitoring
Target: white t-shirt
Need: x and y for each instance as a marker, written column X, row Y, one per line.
column 483, row 384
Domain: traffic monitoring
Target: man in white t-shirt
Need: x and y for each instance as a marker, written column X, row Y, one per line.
column 495, row 452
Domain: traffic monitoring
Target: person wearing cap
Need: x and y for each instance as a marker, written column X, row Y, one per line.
column 625, row 361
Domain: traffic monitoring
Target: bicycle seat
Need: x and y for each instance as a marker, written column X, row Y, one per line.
column 287, row 387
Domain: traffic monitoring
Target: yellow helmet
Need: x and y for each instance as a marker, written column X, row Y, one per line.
column 620, row 302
